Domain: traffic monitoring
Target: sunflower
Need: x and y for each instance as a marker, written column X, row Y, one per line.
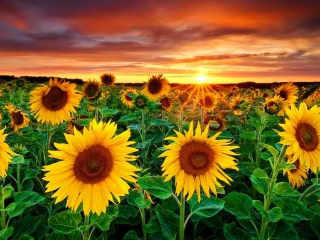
column 156, row 87
column 302, row 134
column 91, row 89
column 195, row 160
column 288, row 92
column 71, row 125
column 55, row 102
column 20, row 82
column 208, row 102
column 107, row 79
column 215, row 123
column 165, row 103
column 298, row 175
column 141, row 101
column 274, row 105
column 5, row 152
column 93, row 167
column 238, row 104
column 125, row 98
column 19, row 119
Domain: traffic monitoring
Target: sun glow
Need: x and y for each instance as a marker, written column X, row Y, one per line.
column 201, row 79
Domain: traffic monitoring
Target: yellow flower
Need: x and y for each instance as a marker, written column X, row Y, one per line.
column 156, row 87
column 19, row 119
column 198, row 161
column 93, row 168
column 55, row 102
column 298, row 175
column 107, row 79
column 91, row 89
column 288, row 92
column 5, row 152
column 301, row 134
column 125, row 98
column 208, row 102
column 274, row 105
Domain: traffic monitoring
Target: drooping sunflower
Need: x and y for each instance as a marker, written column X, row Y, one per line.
column 53, row 103
column 125, row 98
column 208, row 102
column 93, row 168
column 297, row 176
column 274, row 105
column 238, row 104
column 215, row 123
column 288, row 92
column 165, row 103
column 107, row 79
column 198, row 161
column 19, row 119
column 156, row 87
column 140, row 101
column 302, row 135
column 91, row 89
column 5, row 151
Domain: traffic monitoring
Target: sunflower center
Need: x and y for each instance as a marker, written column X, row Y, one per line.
column 56, row 99
column 165, row 103
column 93, row 165
column 307, row 137
column 92, row 91
column 283, row 94
column 297, row 164
column 196, row 158
column 128, row 98
column 17, row 117
column 154, row 86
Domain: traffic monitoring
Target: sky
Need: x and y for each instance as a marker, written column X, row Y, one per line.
column 228, row 41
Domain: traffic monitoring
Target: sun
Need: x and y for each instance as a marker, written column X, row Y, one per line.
column 201, row 79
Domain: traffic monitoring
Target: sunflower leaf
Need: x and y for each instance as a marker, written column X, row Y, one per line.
column 260, row 180
column 238, row 204
column 156, row 186
column 108, row 112
column 65, row 222
column 274, row 152
column 207, row 207
column 231, row 231
column 284, row 189
column 17, row 159
column 169, row 222
column 248, row 135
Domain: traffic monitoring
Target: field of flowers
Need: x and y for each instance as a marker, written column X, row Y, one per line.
column 105, row 161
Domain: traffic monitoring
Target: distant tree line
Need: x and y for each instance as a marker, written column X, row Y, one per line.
column 38, row 79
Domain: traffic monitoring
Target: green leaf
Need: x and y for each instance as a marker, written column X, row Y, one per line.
column 160, row 122
column 7, row 190
column 260, row 180
column 247, row 168
column 274, row 152
column 16, row 209
column 280, row 231
column 153, row 225
column 104, row 219
column 132, row 196
column 206, row 208
column 29, row 197
column 275, row 214
column 248, row 135
column 141, row 203
column 135, row 127
column 128, row 118
column 169, row 222
column 65, row 222
column 60, row 236
column 285, row 189
column 26, row 225
column 131, row 235
column 315, row 226
column 84, row 122
column 231, row 232
column 108, row 112
column 18, row 159
column 156, row 186
column 238, row 204
column 6, row 233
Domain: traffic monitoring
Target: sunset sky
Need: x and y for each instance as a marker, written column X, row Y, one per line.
column 227, row 41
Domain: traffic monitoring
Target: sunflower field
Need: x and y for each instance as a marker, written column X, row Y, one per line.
column 101, row 160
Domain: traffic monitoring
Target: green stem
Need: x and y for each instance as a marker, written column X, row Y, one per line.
column 18, row 178
column 143, row 215
column 86, row 233
column 2, row 211
column 182, row 212
column 307, row 191
column 269, row 197
column 143, row 138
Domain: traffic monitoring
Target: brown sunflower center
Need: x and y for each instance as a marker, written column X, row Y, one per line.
column 92, row 90
column 284, row 95
column 297, row 164
column 93, row 165
column 17, row 117
column 154, row 86
column 196, row 158
column 128, row 98
column 56, row 99
column 307, row 137
column 207, row 102
column 165, row 103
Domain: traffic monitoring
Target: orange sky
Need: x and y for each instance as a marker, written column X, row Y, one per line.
column 226, row 41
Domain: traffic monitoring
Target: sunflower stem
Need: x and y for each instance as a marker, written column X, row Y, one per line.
column 86, row 233
column 182, row 212
column 269, row 197
column 307, row 191
column 143, row 138
column 2, row 209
